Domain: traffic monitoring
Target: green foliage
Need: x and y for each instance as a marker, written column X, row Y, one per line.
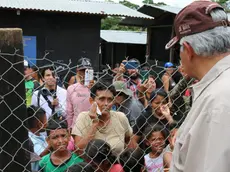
column 147, row 1
column 112, row 23
column 129, row 4
column 151, row 2
column 224, row 3
column 221, row 2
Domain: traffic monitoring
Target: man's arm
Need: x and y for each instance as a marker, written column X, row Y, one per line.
column 167, row 159
column 165, row 81
column 134, row 141
column 69, row 108
column 120, row 74
column 180, row 88
column 218, row 148
column 82, row 141
column 82, row 132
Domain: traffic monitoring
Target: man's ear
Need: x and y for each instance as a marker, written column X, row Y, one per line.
column 189, row 50
column 91, row 100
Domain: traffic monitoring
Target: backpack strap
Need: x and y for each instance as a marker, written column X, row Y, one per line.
column 49, row 103
column 47, row 100
column 38, row 98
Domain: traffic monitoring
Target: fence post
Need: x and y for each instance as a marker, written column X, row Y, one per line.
column 13, row 133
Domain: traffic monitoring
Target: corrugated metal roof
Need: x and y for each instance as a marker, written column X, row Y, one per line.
column 152, row 10
column 74, row 6
column 171, row 9
column 126, row 37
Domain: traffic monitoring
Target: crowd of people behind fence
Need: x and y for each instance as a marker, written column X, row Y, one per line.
column 124, row 122
column 127, row 120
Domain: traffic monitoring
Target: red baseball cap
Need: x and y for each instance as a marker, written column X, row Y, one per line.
column 195, row 18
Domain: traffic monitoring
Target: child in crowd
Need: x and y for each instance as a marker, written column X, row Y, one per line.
column 158, row 113
column 132, row 160
column 81, row 167
column 155, row 139
column 58, row 137
column 37, row 123
column 169, row 149
column 99, row 154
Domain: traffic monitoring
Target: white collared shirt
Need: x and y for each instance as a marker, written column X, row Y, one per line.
column 203, row 141
column 61, row 96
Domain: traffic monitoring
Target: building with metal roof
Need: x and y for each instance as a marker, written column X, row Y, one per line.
column 160, row 30
column 125, row 37
column 116, row 45
column 151, row 10
column 74, row 6
column 166, row 8
column 66, row 29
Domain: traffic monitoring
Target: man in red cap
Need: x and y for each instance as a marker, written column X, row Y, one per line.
column 203, row 141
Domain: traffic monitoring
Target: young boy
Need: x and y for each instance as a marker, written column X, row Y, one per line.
column 37, row 123
column 155, row 139
column 169, row 149
column 58, row 137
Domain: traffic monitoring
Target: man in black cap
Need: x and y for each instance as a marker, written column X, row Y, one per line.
column 125, row 102
column 82, row 65
column 78, row 94
column 203, row 33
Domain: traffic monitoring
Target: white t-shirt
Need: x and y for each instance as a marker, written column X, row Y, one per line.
column 154, row 164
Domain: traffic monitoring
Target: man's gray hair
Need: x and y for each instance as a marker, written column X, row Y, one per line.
column 211, row 42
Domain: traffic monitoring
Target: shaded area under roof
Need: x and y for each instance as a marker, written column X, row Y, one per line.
column 74, row 6
column 125, row 37
column 151, row 10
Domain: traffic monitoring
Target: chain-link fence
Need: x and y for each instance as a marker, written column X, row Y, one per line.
column 126, row 119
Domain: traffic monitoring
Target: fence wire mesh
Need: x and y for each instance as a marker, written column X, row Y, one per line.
column 126, row 119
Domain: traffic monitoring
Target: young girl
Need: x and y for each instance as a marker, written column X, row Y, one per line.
column 158, row 112
column 155, row 139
